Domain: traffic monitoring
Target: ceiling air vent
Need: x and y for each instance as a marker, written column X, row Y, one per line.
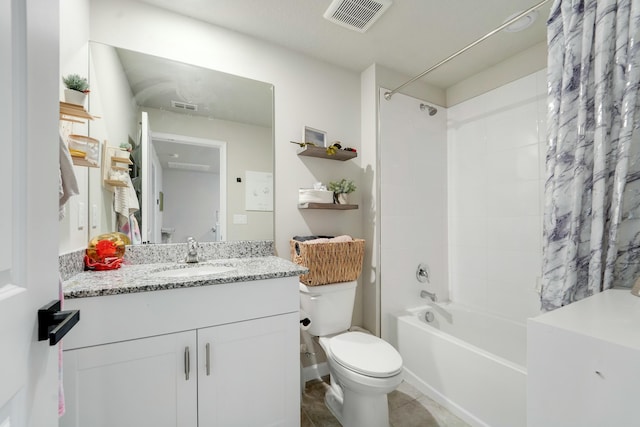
column 189, row 166
column 184, row 106
column 357, row 15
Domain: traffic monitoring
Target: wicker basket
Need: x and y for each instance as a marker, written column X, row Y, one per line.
column 328, row 262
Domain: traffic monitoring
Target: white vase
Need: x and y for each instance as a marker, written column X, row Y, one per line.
column 342, row 198
column 75, row 97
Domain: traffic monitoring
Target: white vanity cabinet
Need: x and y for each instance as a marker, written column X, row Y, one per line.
column 245, row 375
column 128, row 360
column 140, row 382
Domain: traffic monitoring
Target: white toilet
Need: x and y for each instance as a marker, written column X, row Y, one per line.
column 363, row 367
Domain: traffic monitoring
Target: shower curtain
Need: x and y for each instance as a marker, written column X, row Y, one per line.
column 593, row 75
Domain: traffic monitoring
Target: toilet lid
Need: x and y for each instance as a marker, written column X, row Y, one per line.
column 366, row 354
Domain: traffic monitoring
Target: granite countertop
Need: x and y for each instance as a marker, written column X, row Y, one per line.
column 143, row 278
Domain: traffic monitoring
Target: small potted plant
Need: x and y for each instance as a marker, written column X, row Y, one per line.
column 77, row 88
column 341, row 189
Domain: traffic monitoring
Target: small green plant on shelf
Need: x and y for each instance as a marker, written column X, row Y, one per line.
column 341, row 189
column 76, row 82
column 344, row 186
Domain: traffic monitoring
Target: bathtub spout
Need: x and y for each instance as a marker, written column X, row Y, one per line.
column 427, row 294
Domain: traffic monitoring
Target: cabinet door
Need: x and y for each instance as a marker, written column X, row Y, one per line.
column 132, row 383
column 251, row 375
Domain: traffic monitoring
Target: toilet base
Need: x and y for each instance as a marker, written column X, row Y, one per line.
column 355, row 409
column 334, row 402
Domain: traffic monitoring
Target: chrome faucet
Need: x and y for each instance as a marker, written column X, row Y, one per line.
column 192, row 250
column 427, row 294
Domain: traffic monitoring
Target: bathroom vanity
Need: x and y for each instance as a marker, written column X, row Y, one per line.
column 210, row 349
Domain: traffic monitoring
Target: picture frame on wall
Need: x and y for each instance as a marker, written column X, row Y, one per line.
column 316, row 136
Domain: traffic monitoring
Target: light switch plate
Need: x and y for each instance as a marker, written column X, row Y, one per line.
column 82, row 216
column 239, row 219
column 94, row 216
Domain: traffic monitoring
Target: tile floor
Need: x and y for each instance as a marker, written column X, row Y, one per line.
column 407, row 408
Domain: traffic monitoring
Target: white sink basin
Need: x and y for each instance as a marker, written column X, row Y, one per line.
column 193, row 271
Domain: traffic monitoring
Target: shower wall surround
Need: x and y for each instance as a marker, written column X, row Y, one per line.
column 413, row 204
column 497, row 151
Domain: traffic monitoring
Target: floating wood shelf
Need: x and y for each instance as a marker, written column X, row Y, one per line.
column 83, row 139
column 333, row 206
column 71, row 113
column 113, row 159
column 81, row 161
column 73, row 110
column 115, row 183
column 321, row 152
column 124, row 160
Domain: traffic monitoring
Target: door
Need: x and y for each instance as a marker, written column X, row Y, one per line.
column 200, row 167
column 29, row 85
column 142, row 382
column 147, row 196
column 248, row 373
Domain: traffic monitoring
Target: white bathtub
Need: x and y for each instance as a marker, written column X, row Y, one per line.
column 470, row 362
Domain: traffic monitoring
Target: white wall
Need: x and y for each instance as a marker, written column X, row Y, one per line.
column 413, row 204
column 496, row 181
column 524, row 63
column 180, row 188
column 371, row 80
column 117, row 123
column 370, row 289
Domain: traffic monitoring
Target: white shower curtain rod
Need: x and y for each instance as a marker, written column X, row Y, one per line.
column 389, row 94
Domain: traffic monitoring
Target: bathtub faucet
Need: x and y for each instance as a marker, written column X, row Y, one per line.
column 427, row 294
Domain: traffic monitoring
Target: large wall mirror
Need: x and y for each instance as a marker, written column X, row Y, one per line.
column 201, row 143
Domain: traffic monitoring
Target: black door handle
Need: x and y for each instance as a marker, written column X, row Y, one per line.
column 54, row 324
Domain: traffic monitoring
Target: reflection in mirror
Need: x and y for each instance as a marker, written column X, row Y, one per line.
column 201, row 145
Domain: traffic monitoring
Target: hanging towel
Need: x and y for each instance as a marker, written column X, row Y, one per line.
column 67, row 182
column 136, row 239
column 61, row 407
column 126, row 201
column 129, row 226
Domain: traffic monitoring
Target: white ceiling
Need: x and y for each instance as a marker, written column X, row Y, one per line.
column 182, row 152
column 155, row 82
column 410, row 37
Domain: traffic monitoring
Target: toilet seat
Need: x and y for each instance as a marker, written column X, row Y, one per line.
column 366, row 354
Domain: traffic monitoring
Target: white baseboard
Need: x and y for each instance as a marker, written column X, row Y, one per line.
column 314, row 372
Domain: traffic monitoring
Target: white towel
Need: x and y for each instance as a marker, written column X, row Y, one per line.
column 337, row 239
column 67, row 182
column 343, row 238
column 126, row 201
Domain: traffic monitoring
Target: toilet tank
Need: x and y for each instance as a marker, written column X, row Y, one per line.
column 329, row 307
